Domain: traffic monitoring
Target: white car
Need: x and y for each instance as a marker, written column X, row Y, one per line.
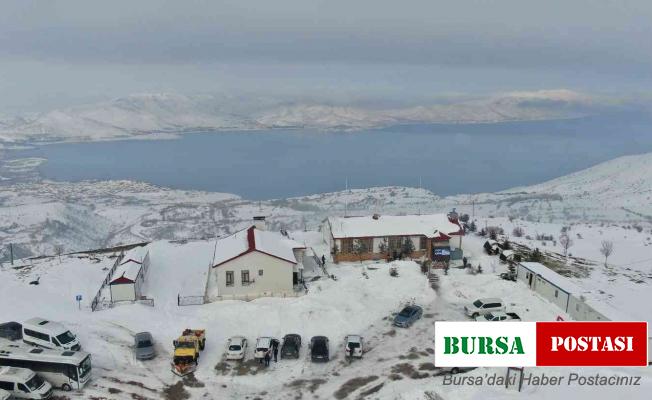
column 263, row 346
column 353, row 346
column 236, row 348
column 498, row 317
column 484, row 306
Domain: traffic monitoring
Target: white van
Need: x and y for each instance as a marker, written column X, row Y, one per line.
column 23, row 383
column 49, row 334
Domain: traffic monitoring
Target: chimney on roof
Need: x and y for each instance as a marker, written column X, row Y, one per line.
column 260, row 223
column 376, row 216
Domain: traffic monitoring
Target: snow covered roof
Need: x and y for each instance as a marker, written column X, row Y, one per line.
column 252, row 239
column 126, row 272
column 554, row 278
column 431, row 226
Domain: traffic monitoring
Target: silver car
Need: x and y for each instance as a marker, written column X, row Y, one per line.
column 144, row 346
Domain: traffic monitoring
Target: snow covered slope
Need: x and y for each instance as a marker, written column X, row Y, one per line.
column 39, row 216
column 137, row 115
column 616, row 190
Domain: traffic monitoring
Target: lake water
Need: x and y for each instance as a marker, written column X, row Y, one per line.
column 450, row 159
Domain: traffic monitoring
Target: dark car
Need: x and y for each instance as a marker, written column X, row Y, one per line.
column 291, row 346
column 408, row 316
column 11, row 331
column 319, row 349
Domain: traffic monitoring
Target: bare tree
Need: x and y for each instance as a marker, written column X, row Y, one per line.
column 566, row 242
column 606, row 249
column 518, row 232
column 360, row 248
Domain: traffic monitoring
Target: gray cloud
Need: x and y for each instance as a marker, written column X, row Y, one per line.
column 286, row 45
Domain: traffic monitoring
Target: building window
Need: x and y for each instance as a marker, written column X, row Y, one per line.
column 346, row 246
column 556, row 293
column 229, row 278
column 245, row 277
column 260, row 272
column 395, row 243
column 366, row 244
column 577, row 307
column 423, row 244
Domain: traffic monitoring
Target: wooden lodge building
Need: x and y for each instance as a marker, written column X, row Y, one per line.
column 377, row 237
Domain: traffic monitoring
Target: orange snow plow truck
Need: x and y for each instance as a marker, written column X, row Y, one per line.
column 186, row 351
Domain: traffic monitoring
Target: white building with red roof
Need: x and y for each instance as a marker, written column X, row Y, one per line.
column 127, row 280
column 254, row 263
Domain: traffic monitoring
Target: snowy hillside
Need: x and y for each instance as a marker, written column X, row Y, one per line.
column 38, row 216
column 137, row 115
column 547, row 104
column 397, row 363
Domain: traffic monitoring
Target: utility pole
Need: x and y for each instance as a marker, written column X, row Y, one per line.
column 419, row 209
column 11, row 252
column 346, row 191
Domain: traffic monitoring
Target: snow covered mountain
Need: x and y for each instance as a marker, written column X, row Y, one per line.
column 142, row 114
column 38, row 216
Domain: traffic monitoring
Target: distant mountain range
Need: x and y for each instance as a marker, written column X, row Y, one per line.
column 157, row 114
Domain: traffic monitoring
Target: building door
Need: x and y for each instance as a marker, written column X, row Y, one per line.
column 530, row 279
column 295, row 278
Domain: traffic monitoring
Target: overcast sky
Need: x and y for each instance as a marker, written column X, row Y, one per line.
column 56, row 53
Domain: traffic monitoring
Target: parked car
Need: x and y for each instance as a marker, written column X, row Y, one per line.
column 23, row 383
column 144, row 346
column 236, row 348
column 484, row 306
column 408, row 316
column 11, row 331
column 508, row 276
column 498, row 317
column 353, row 346
column 263, row 346
column 291, row 346
column 319, row 350
column 49, row 334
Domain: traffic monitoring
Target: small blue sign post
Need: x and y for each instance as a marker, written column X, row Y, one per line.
column 79, row 299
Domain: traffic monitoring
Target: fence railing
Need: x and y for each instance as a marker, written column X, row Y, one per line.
column 249, row 297
column 96, row 304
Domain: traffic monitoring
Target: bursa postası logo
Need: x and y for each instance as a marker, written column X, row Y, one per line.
column 528, row 344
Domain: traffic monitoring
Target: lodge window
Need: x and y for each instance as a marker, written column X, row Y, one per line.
column 423, row 244
column 556, row 293
column 229, row 278
column 245, row 277
column 260, row 272
column 395, row 243
column 367, row 243
column 346, row 246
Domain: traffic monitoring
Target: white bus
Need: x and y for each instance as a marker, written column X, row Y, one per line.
column 49, row 334
column 63, row 369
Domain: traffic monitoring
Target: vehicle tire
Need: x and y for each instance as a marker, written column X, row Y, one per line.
column 455, row 371
column 66, row 387
column 202, row 345
column 474, row 315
